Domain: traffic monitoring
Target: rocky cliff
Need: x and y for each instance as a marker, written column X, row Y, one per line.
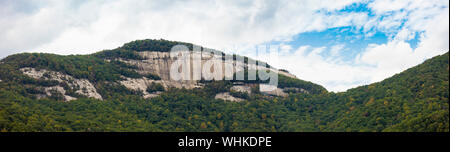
column 159, row 63
column 71, row 77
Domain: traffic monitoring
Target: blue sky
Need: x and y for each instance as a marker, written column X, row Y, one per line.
column 354, row 40
column 338, row 44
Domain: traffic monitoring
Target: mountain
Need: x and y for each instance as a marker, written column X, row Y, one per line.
column 129, row 89
column 134, row 67
column 413, row 100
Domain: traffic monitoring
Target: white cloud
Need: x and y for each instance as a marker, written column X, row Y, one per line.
column 389, row 59
column 335, row 50
column 68, row 27
column 307, row 64
column 377, row 61
column 383, row 6
column 427, row 17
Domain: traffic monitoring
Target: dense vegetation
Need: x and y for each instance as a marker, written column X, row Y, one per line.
column 79, row 66
column 153, row 45
column 283, row 82
column 414, row 100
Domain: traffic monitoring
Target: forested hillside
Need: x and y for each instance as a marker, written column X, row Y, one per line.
column 414, row 100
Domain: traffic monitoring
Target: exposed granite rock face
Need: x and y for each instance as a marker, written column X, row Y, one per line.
column 141, row 85
column 274, row 92
column 247, row 88
column 227, row 97
column 136, row 84
column 83, row 86
column 58, row 89
column 160, row 63
column 87, row 89
column 156, row 62
column 242, row 88
column 152, row 95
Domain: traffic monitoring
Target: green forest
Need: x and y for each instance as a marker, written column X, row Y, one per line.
column 415, row 100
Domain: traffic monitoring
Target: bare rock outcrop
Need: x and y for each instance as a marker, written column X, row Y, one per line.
column 141, row 85
column 50, row 91
column 83, row 86
column 273, row 91
column 242, row 88
column 160, row 63
column 227, row 97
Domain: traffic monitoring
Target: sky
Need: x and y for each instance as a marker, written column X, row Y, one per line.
column 339, row 44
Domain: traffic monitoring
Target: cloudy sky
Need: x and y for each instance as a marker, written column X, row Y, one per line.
column 339, row 44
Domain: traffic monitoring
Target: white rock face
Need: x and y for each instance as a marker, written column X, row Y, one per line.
column 275, row 92
column 69, row 98
column 86, row 88
column 227, row 97
column 152, row 95
column 160, row 63
column 136, row 84
column 141, row 85
column 246, row 88
column 242, row 88
column 60, row 90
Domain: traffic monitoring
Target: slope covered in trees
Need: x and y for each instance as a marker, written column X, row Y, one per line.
column 414, row 100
